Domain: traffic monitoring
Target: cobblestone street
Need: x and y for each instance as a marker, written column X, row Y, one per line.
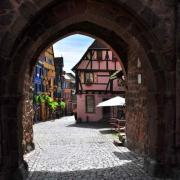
column 65, row 150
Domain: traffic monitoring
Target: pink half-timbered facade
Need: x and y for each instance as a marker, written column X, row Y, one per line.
column 94, row 83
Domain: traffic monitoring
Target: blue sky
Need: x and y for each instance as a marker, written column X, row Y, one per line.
column 72, row 48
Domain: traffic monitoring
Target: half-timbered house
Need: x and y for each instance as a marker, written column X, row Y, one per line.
column 95, row 83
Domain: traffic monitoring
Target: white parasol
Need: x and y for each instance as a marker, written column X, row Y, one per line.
column 116, row 101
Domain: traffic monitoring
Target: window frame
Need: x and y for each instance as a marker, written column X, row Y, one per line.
column 85, row 79
column 93, row 97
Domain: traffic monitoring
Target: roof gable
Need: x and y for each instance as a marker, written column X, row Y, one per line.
column 98, row 45
column 94, row 46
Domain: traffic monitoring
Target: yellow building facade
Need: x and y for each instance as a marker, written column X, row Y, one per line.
column 49, row 72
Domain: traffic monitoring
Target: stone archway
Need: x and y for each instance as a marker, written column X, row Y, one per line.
column 130, row 29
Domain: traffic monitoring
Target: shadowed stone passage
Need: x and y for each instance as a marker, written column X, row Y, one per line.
column 65, row 150
column 145, row 30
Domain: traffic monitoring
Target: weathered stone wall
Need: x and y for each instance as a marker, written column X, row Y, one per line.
column 28, row 26
column 136, row 101
column 28, row 115
column 177, row 123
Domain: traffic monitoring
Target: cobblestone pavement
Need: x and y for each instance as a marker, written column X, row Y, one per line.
column 66, row 151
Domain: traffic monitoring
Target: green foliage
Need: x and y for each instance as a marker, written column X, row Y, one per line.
column 42, row 98
column 62, row 104
column 48, row 99
column 53, row 105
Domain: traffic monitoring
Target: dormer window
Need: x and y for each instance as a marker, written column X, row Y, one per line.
column 88, row 78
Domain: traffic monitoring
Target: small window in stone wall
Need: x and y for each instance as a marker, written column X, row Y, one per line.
column 90, row 104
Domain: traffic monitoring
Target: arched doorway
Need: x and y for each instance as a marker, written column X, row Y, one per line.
column 127, row 34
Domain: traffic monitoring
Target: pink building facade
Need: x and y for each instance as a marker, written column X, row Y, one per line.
column 94, row 83
column 68, row 92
